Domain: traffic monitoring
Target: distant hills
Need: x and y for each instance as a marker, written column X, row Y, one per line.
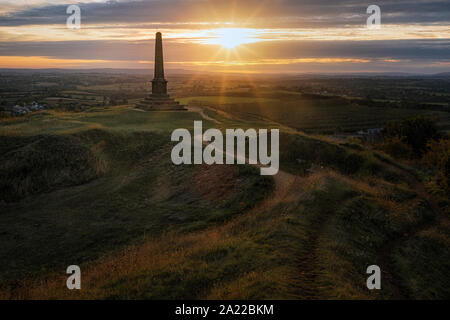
column 376, row 74
column 443, row 74
column 184, row 71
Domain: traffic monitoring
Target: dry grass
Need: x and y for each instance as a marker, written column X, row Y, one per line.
column 170, row 252
column 311, row 238
column 282, row 233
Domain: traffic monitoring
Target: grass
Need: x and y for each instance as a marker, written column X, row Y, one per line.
column 215, row 100
column 316, row 115
column 427, row 250
column 45, row 163
column 118, row 118
column 142, row 228
column 315, row 243
column 300, row 153
column 139, row 193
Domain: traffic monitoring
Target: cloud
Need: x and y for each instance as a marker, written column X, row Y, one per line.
column 437, row 50
column 295, row 28
column 253, row 13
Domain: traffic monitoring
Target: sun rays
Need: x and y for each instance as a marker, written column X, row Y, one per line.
column 230, row 38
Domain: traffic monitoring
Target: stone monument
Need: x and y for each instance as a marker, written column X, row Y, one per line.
column 159, row 99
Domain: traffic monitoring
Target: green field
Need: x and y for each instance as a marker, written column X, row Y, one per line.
column 118, row 118
column 327, row 115
column 217, row 100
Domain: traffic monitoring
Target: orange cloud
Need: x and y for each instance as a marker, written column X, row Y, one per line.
column 267, row 62
column 46, row 62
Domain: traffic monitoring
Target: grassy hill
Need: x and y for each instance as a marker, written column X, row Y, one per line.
column 98, row 189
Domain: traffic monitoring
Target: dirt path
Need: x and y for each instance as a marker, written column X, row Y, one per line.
column 306, row 283
column 202, row 113
column 283, row 180
column 385, row 261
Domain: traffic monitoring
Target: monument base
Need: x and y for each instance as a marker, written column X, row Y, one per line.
column 160, row 103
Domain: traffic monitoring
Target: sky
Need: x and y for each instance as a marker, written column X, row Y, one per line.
column 248, row 36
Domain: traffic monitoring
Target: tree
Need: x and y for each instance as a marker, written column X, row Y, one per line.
column 415, row 132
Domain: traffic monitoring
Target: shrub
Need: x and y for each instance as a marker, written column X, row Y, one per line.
column 438, row 156
column 415, row 132
column 396, row 147
column 4, row 114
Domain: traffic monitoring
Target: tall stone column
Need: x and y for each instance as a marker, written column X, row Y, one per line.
column 159, row 60
column 159, row 84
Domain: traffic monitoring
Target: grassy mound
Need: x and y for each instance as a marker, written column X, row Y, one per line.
column 298, row 154
column 95, row 191
column 44, row 163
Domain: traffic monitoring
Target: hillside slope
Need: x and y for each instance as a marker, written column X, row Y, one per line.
column 141, row 228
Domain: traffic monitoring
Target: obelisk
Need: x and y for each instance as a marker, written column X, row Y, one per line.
column 159, row 84
column 159, row 99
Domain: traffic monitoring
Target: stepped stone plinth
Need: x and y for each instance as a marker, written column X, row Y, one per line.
column 153, row 102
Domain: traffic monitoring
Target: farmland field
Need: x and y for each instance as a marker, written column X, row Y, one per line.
column 218, row 100
column 329, row 115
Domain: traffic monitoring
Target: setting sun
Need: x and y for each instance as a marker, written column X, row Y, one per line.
column 230, row 38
